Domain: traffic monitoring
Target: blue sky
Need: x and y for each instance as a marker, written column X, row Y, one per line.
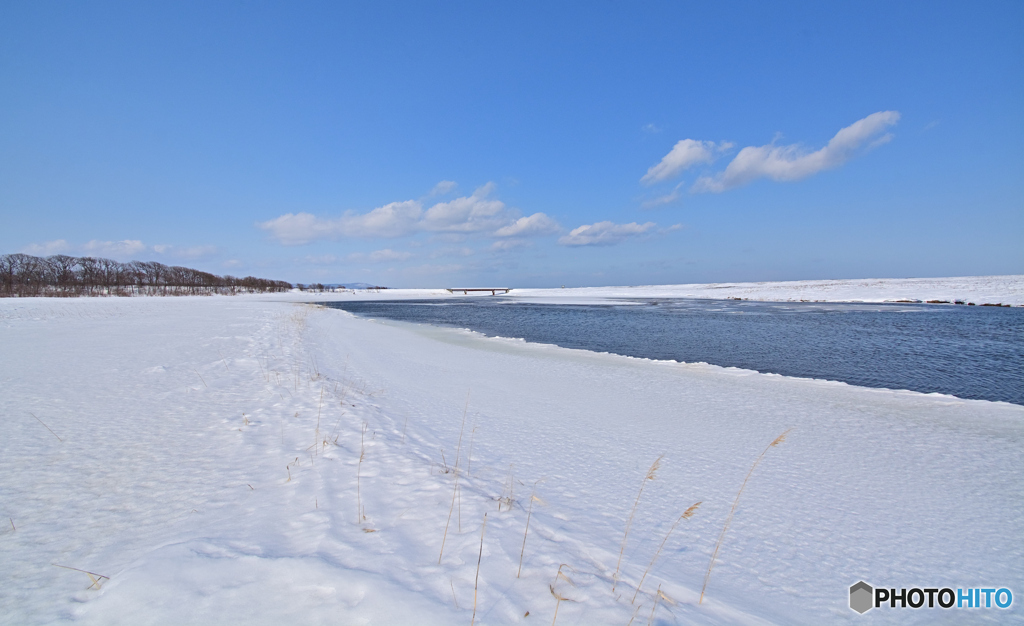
column 522, row 144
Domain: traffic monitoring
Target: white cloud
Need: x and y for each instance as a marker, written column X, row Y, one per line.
column 391, row 220
column 604, row 233
column 126, row 249
column 433, row 270
column 123, row 249
column 472, row 214
column 443, row 187
column 504, row 245
column 323, row 259
column 650, row 128
column 380, row 256
column 536, row 224
column 478, row 213
column 685, row 154
column 668, row 198
column 57, row 246
column 190, row 253
column 789, row 163
column 451, row 251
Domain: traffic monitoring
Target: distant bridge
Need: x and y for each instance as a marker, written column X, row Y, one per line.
column 466, row 290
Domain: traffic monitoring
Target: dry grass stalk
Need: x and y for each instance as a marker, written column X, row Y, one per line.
column 507, row 500
column 529, row 513
column 47, row 428
column 660, row 595
column 629, row 522
column 462, row 429
column 728, row 520
column 333, row 436
column 479, row 557
column 452, row 583
column 687, row 514
column 97, row 579
column 632, row 617
column 316, row 437
column 200, row 377
column 359, row 467
column 559, row 598
column 455, row 489
column 469, row 457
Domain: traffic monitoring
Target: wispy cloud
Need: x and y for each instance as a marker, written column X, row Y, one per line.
column 536, row 224
column 57, row 246
column 452, row 251
column 504, row 245
column 322, row 259
column 434, row 270
column 650, row 128
column 793, row 162
column 478, row 213
column 668, row 198
column 380, row 256
column 604, row 233
column 117, row 249
column 191, row 253
column 684, row 155
column 125, row 249
column 443, row 187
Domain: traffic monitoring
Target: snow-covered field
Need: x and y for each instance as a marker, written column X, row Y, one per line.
column 253, row 460
column 978, row 290
column 971, row 289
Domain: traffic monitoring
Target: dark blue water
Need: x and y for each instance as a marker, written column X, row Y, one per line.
column 970, row 352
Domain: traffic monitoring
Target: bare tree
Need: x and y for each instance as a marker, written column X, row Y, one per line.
column 62, row 275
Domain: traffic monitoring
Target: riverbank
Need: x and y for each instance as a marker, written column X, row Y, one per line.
column 245, row 459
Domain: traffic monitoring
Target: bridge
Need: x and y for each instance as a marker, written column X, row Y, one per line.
column 465, row 290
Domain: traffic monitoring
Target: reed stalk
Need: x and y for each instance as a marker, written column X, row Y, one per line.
column 529, row 513
column 479, row 557
column 687, row 514
column 47, row 428
column 455, row 489
column 629, row 522
column 559, row 597
column 728, row 520
column 359, row 466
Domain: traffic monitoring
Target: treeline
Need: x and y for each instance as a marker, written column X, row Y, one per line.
column 23, row 275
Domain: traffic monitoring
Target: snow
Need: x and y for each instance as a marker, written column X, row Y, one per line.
column 186, row 464
column 1006, row 290
column 976, row 289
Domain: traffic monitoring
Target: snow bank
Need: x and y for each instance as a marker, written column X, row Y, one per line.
column 974, row 289
column 248, row 460
column 1007, row 290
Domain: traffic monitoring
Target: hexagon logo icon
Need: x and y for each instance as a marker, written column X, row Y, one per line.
column 861, row 597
